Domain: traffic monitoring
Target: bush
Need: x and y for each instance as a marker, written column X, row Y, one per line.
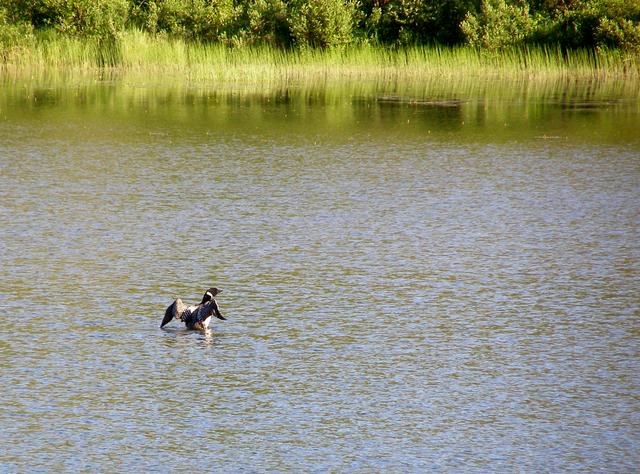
column 321, row 23
column 103, row 19
column 620, row 33
column 407, row 22
column 38, row 13
column 574, row 28
column 190, row 19
column 401, row 22
column 488, row 24
column 92, row 18
column 14, row 37
column 592, row 24
column 618, row 24
column 263, row 21
column 498, row 25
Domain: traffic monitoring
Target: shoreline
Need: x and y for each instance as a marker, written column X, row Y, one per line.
column 138, row 53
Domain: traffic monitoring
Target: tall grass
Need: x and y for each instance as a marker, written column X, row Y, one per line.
column 155, row 58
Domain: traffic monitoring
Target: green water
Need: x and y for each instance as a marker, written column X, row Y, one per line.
column 416, row 277
column 480, row 111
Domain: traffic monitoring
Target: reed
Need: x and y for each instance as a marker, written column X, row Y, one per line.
column 136, row 54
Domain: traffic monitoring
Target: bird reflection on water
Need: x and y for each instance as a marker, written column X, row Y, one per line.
column 180, row 337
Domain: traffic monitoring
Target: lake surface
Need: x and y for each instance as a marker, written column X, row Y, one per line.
column 441, row 278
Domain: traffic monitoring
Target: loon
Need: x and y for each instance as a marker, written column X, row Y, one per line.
column 196, row 316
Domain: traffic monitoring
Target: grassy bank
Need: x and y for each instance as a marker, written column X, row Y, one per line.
column 139, row 54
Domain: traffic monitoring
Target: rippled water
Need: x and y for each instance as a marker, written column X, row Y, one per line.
column 408, row 286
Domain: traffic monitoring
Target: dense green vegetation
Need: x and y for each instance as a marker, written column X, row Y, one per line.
column 421, row 36
column 488, row 24
column 142, row 57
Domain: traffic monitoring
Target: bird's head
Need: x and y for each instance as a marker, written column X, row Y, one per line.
column 210, row 294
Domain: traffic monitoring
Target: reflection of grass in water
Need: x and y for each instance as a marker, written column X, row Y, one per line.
column 433, row 91
column 485, row 104
column 464, row 85
column 473, row 109
column 140, row 57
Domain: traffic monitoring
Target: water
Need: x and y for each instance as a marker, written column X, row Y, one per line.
column 441, row 281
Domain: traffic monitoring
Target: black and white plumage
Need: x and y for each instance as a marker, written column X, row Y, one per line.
column 196, row 316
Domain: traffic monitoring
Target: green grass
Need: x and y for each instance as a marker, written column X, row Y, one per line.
column 139, row 56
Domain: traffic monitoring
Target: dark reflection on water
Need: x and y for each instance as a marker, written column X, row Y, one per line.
column 467, row 108
column 409, row 286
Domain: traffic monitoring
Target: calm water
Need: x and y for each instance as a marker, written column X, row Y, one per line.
column 436, row 280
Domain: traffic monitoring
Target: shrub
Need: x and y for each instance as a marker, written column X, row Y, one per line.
column 414, row 21
column 618, row 24
column 401, row 21
column 497, row 25
column 574, row 28
column 590, row 24
column 190, row 19
column 14, row 37
column 98, row 18
column 263, row 21
column 95, row 18
column 38, row 13
column 321, row 23
column 620, row 33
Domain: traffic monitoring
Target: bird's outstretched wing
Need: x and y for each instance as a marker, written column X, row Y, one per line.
column 173, row 311
column 215, row 310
